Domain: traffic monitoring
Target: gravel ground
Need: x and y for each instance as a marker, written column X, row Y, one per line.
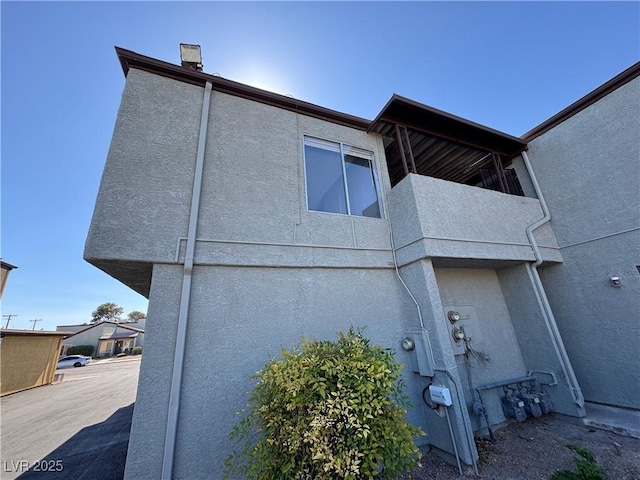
column 535, row 449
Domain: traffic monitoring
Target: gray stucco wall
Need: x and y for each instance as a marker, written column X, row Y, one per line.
column 421, row 279
column 589, row 171
column 267, row 270
column 333, row 271
column 461, row 221
column 253, row 184
column 145, row 191
column 536, row 346
column 239, row 317
column 523, row 177
column 496, row 337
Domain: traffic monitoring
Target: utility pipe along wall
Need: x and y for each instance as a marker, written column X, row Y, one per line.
column 183, row 316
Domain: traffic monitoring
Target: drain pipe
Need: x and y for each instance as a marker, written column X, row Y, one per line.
column 468, row 435
column 181, row 336
column 423, row 329
column 541, row 296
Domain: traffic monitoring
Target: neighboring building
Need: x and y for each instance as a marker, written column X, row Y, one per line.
column 28, row 358
column 108, row 338
column 256, row 219
column 5, row 270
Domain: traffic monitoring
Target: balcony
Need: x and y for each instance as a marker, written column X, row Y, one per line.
column 464, row 226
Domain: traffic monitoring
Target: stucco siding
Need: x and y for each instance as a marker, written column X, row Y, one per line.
column 441, row 219
column 589, row 171
column 145, row 191
column 268, row 271
column 148, row 425
column 589, row 168
column 599, row 322
column 495, row 336
column 239, row 318
column 533, row 337
column 254, row 183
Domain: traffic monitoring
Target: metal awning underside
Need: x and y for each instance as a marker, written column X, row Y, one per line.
column 439, row 144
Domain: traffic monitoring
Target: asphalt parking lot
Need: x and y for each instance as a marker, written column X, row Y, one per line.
column 75, row 429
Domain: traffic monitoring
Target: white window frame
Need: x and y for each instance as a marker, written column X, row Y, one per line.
column 342, row 145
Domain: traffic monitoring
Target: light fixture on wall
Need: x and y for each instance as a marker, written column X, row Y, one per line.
column 453, row 316
column 615, row 281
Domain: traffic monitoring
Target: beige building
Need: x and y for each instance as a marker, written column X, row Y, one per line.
column 28, row 358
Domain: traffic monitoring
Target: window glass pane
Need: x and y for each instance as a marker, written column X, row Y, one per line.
column 363, row 199
column 325, row 185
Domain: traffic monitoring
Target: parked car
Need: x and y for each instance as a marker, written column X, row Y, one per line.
column 73, row 361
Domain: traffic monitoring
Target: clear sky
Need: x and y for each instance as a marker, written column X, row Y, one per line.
column 507, row 65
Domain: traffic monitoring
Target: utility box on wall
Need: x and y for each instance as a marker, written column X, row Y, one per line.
column 419, row 355
column 464, row 326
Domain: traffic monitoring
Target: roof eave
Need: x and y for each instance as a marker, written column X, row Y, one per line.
column 589, row 99
column 497, row 141
column 129, row 59
column 33, row 333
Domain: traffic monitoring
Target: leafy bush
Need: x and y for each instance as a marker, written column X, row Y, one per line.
column 137, row 350
column 587, row 468
column 326, row 410
column 86, row 350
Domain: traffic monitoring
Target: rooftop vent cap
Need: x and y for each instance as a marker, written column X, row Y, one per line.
column 190, row 56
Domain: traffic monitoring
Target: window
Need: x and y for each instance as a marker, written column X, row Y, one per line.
column 340, row 179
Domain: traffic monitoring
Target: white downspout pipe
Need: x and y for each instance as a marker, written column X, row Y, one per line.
column 181, row 336
column 541, row 296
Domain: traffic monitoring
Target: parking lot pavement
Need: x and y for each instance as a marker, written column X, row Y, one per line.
column 75, row 429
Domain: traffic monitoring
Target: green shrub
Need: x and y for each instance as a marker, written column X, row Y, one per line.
column 326, row 410
column 587, row 468
column 86, row 350
column 137, row 350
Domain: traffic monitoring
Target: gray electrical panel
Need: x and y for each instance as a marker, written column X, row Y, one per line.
column 419, row 355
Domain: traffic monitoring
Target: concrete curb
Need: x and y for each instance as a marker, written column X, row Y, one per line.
column 627, row 432
column 613, row 419
column 110, row 360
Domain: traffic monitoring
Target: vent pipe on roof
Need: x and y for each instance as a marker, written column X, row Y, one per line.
column 190, row 56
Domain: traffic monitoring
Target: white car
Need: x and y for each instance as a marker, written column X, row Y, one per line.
column 73, row 361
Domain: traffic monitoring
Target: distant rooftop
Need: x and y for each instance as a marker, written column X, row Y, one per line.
column 35, row 333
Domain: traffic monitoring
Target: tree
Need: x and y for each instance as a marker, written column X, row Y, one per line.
column 135, row 316
column 107, row 311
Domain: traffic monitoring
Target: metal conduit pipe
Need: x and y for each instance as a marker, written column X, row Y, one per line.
column 541, row 296
column 185, row 297
column 425, row 334
column 469, row 436
column 504, row 383
column 453, row 439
